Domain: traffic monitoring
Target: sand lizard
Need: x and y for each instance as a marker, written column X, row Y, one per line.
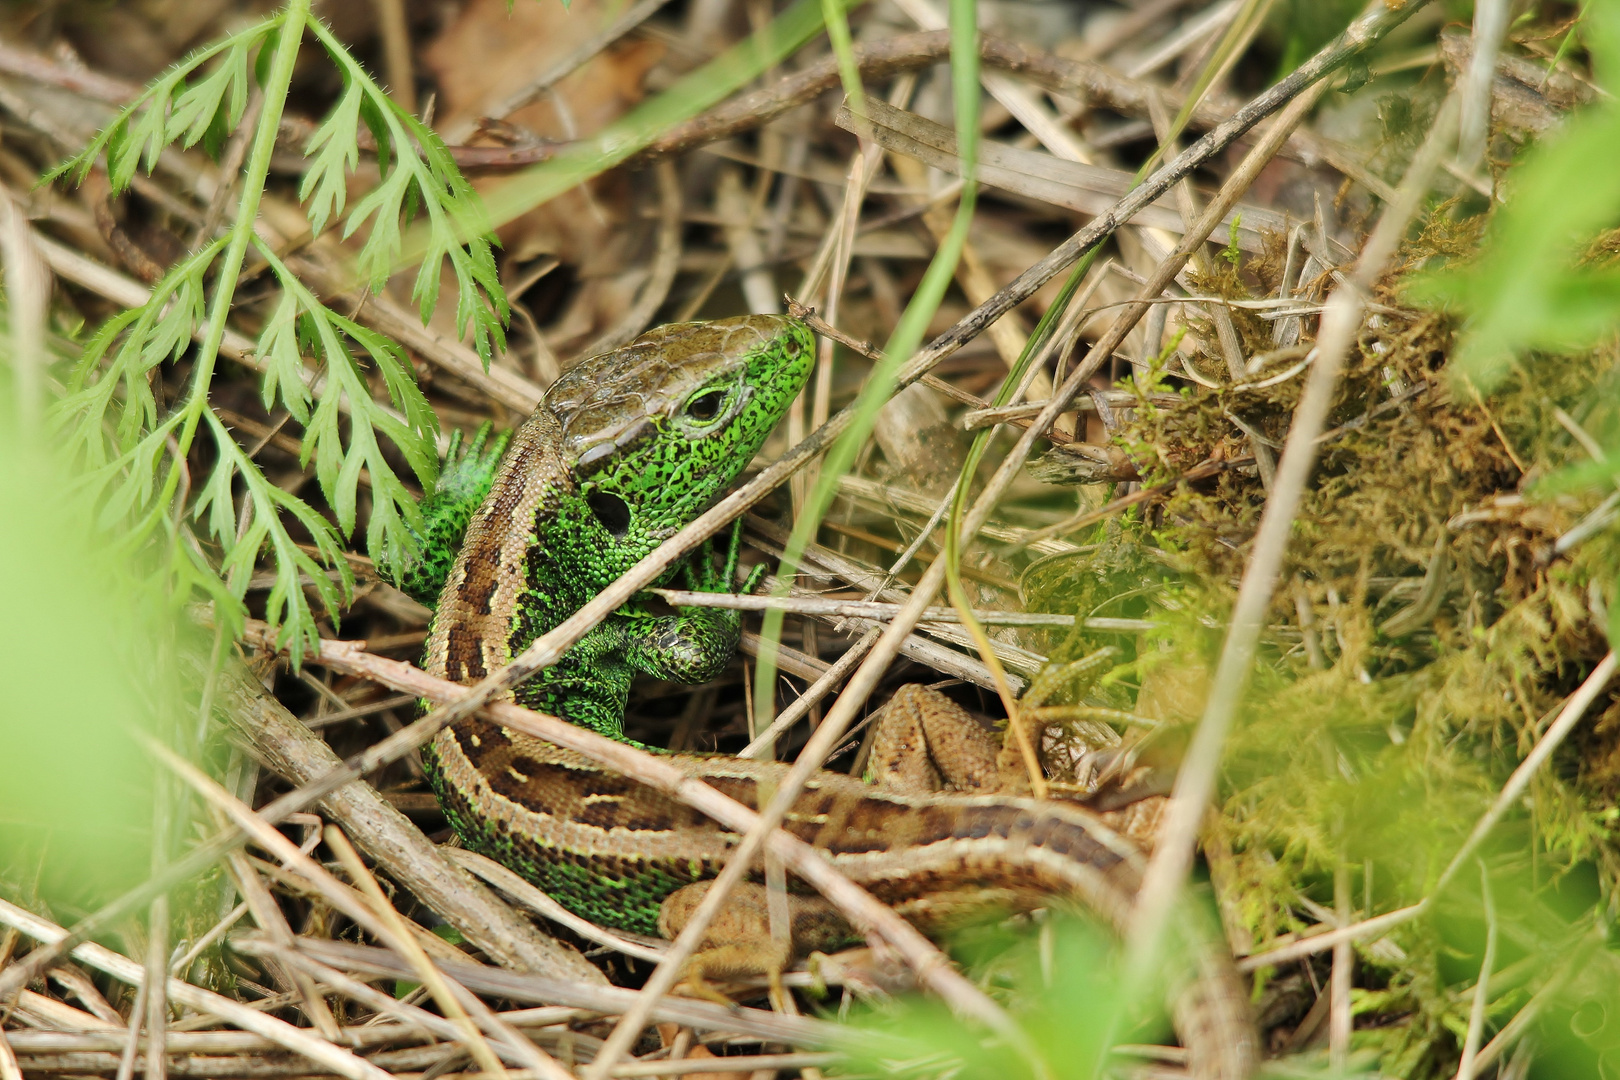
column 625, row 449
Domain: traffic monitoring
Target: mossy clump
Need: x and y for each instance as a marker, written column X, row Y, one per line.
column 1425, row 630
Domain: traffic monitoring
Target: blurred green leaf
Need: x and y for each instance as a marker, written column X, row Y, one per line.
column 81, row 658
column 1532, row 287
column 1061, row 982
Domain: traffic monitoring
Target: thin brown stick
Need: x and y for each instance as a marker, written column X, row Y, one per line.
column 524, row 893
column 91, row 84
column 267, row 913
column 764, row 744
column 868, row 609
column 912, row 52
column 606, row 1000
column 9, row 1070
column 413, row 954
column 404, row 937
column 1340, row 1023
column 126, row 1054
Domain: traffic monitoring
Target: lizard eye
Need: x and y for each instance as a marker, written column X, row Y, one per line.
column 610, row 511
column 705, row 406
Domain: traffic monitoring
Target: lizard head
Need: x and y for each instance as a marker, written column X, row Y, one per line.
column 652, row 433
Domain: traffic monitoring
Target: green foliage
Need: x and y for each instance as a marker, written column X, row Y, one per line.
column 1546, row 280
column 418, row 175
column 1535, row 285
column 174, row 109
column 1061, row 982
column 317, row 363
column 301, row 319
column 1377, row 729
column 1232, row 253
column 82, row 659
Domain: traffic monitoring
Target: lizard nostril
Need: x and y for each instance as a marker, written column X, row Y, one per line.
column 611, row 511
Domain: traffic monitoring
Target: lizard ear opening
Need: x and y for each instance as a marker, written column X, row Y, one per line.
column 611, row 512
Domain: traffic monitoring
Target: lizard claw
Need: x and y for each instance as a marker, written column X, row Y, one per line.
column 470, row 466
column 700, row 574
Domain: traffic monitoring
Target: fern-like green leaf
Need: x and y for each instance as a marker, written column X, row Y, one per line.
column 338, row 463
column 335, row 154
column 418, row 176
column 143, row 127
column 260, row 524
column 284, row 360
column 196, row 108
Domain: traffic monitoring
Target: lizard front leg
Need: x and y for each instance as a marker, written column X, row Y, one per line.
column 695, row 644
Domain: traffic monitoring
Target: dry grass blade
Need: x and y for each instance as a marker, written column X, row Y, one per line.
column 526, row 894
column 402, row 941
column 1090, row 189
column 283, row 1034
column 9, row 1069
column 608, row 1000
column 28, row 287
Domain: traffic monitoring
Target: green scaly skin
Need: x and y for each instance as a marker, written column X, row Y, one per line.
column 464, row 480
column 645, row 449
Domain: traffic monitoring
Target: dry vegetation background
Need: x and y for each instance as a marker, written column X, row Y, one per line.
column 1446, row 588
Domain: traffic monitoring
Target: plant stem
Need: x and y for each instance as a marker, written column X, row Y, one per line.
column 253, row 180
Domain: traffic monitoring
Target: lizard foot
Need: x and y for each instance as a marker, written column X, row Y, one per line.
column 739, row 943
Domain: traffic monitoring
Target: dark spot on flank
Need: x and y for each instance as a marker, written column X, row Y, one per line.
column 973, row 827
column 479, row 739
column 463, row 660
column 606, row 783
column 740, row 788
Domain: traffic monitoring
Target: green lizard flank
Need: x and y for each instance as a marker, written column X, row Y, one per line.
column 625, row 450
